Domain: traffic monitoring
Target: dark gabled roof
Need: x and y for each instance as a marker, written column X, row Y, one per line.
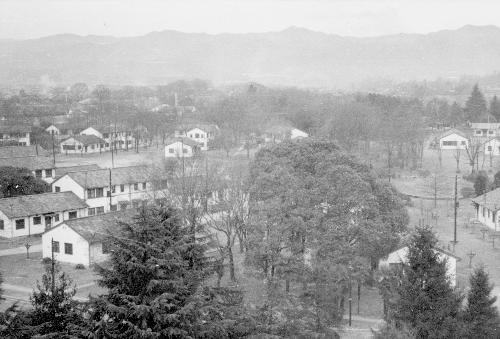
column 110, row 128
column 185, row 141
column 96, row 228
column 86, row 139
column 22, row 151
column 119, row 176
column 60, row 171
column 490, row 200
column 31, row 163
column 15, row 129
column 38, row 204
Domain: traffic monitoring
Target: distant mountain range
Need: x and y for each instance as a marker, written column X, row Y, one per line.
column 294, row 56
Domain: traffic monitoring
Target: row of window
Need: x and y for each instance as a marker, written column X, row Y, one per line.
column 197, row 135
column 21, row 223
column 479, row 132
column 452, row 143
column 96, row 210
column 124, row 205
column 68, row 247
column 172, row 150
column 49, row 173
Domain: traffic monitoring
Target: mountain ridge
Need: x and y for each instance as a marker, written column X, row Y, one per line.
column 294, row 56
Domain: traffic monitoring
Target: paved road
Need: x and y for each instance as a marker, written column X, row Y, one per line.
column 21, row 250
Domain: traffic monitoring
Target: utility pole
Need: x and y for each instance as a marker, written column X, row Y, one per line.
column 53, row 151
column 53, row 268
column 456, row 207
column 110, row 190
column 350, row 300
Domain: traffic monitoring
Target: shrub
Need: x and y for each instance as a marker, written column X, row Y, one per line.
column 79, row 267
column 46, row 260
column 467, row 192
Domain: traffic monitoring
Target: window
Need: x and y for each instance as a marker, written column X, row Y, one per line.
column 92, row 146
column 38, row 173
column 91, row 211
column 171, row 150
column 68, row 248
column 79, row 147
column 49, row 173
column 68, row 147
column 55, row 246
column 100, row 210
column 197, row 135
column 143, row 185
column 489, row 148
column 122, row 188
column 72, row 215
column 58, row 189
column 1, row 225
column 493, row 216
column 490, row 132
column 449, row 143
column 184, row 150
column 99, row 192
column 123, row 205
column 114, row 208
column 19, row 224
column 484, row 212
column 56, row 217
column 136, row 186
column 478, row 132
column 105, row 247
column 462, row 142
column 113, row 188
column 90, row 193
column 37, row 220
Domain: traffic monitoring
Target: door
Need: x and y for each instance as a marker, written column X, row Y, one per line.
column 48, row 222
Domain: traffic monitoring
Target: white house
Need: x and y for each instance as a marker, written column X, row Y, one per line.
column 113, row 189
column 83, row 241
column 33, row 214
column 201, row 133
column 487, row 207
column 82, row 144
column 486, row 129
column 492, row 146
column 15, row 134
column 182, row 147
column 117, row 136
column 400, row 256
column 62, row 130
column 452, row 140
column 42, row 167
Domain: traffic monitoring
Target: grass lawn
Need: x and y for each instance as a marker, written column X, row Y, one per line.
column 6, row 243
column 23, row 273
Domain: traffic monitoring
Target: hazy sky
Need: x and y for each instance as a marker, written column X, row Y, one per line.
column 21, row 19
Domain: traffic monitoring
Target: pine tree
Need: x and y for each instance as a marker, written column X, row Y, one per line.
column 54, row 309
column 495, row 108
column 427, row 303
column 481, row 315
column 154, row 284
column 475, row 107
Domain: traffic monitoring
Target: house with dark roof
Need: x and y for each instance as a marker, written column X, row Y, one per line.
column 41, row 167
column 15, row 134
column 453, row 139
column 33, row 214
column 182, row 147
column 111, row 189
column 83, row 241
column 487, row 207
column 61, row 171
column 83, row 144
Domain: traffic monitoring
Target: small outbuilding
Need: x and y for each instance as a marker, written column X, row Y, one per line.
column 453, row 139
column 400, row 256
column 182, row 147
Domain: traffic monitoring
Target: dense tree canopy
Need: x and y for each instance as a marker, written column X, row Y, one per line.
column 20, row 181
